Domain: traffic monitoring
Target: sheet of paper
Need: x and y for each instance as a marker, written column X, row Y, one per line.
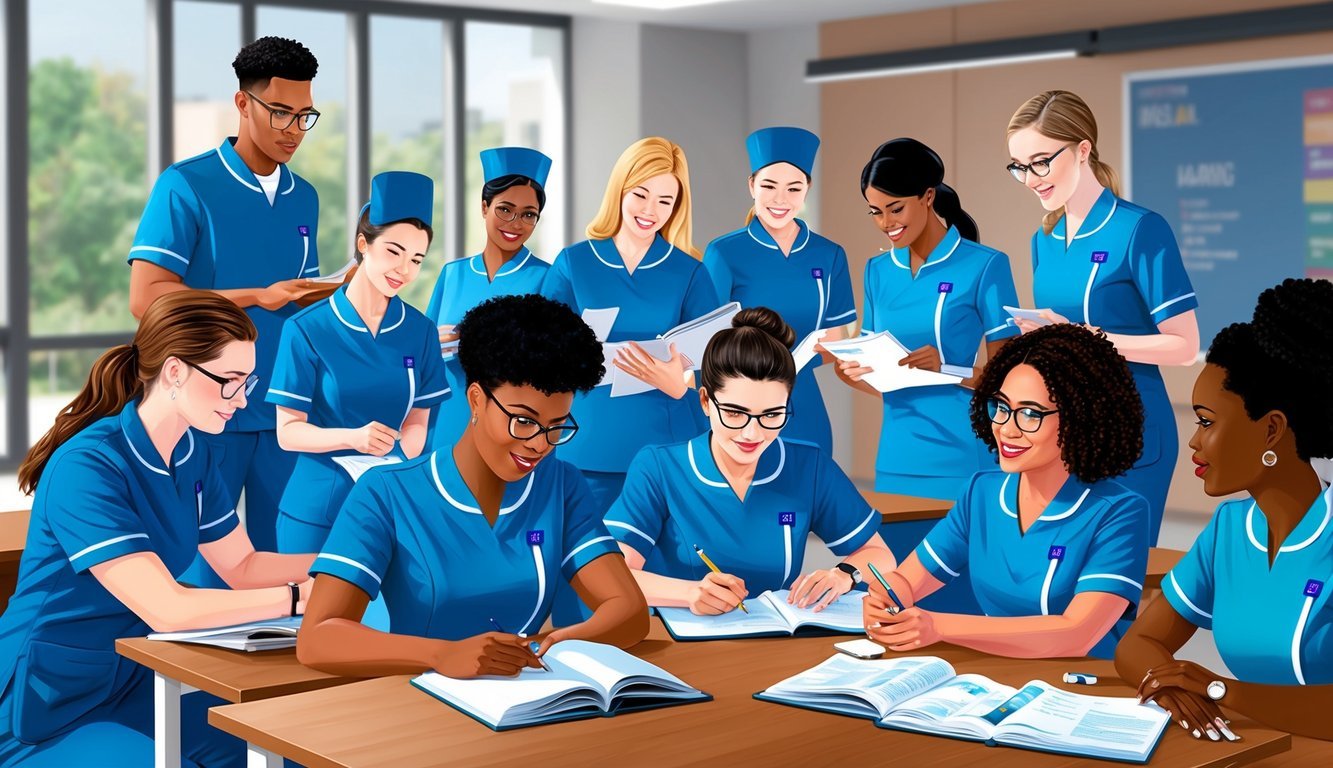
column 358, row 465
column 805, row 351
column 337, row 277
column 624, row 384
column 1020, row 313
column 881, row 352
column 601, row 321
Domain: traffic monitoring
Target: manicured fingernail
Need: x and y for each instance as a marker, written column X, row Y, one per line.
column 1156, row 683
column 1212, row 735
column 1222, row 725
column 1184, row 725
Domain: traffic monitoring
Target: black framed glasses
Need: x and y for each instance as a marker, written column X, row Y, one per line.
column 230, row 387
column 505, row 213
column 281, row 119
column 1039, row 168
column 734, row 418
column 526, row 428
column 1027, row 419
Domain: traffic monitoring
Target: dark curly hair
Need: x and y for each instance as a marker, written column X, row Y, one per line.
column 270, row 57
column 757, row 346
column 529, row 340
column 1101, row 415
column 1282, row 361
column 497, row 185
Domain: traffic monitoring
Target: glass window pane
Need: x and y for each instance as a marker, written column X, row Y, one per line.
column 87, row 161
column 514, row 97
column 206, row 39
column 407, row 121
column 54, row 378
column 322, row 156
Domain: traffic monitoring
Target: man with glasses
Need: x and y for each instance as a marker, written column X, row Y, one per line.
column 237, row 221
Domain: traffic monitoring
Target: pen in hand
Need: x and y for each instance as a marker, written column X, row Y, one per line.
column 533, row 646
column 715, row 569
column 883, row 582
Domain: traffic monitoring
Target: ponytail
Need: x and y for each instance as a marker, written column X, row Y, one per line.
column 950, row 208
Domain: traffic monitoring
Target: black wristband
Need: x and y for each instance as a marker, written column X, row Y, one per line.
column 296, row 595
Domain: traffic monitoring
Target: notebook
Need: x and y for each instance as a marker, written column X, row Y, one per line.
column 254, row 636
column 925, row 695
column 586, row 680
column 881, row 351
column 357, row 465
column 690, row 338
column 769, row 616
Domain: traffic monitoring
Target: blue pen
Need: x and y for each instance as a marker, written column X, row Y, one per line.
column 883, row 582
column 532, row 646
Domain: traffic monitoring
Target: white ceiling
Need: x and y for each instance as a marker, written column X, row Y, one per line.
column 735, row 15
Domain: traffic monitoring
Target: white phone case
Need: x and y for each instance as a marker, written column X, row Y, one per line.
column 861, row 649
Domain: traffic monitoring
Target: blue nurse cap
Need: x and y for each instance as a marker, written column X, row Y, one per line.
column 400, row 195
column 515, row 161
column 782, row 145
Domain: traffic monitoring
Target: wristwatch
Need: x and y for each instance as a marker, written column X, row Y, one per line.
column 850, row 570
column 295, row 590
column 1216, row 690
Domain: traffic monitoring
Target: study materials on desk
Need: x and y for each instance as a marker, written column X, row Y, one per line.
column 882, row 352
column 1019, row 313
column 254, row 636
column 769, row 616
column 925, row 695
column 690, row 338
column 357, row 465
column 337, row 277
column 601, row 321
column 586, row 680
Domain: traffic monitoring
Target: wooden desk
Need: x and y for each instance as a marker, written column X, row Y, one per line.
column 181, row 668
column 13, row 537
column 1160, row 560
column 386, row 722
column 897, row 508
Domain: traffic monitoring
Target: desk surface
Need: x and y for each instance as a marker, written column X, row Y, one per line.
column 898, row 508
column 13, row 535
column 1160, row 560
column 232, row 675
column 386, row 722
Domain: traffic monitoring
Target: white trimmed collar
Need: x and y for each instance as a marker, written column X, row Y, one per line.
column 241, row 172
column 461, row 489
column 939, row 254
column 701, row 444
column 1059, row 507
column 1106, row 202
column 136, row 436
column 1306, row 522
column 760, row 235
column 660, row 249
column 515, row 263
column 347, row 314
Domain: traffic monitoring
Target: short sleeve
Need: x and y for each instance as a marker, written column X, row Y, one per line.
column 216, row 507
column 557, row 285
column 996, row 292
column 432, row 386
column 294, row 369
column 1191, row 586
column 700, row 296
column 719, row 271
column 638, row 515
column 842, row 518
column 1158, row 270
column 868, row 319
column 841, row 308
column 1118, row 553
column 87, row 502
column 944, row 550
column 360, row 546
column 585, row 536
column 170, row 225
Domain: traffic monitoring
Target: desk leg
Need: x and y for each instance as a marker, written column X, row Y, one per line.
column 166, row 722
column 258, row 757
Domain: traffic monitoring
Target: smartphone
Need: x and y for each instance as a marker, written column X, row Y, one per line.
column 861, row 649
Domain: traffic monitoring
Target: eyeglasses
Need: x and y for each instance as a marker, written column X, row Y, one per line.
column 733, row 418
column 505, row 213
column 248, row 382
column 524, row 428
column 1027, row 419
column 1039, row 168
column 281, row 119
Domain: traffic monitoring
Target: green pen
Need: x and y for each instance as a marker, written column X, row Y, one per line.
column 883, row 582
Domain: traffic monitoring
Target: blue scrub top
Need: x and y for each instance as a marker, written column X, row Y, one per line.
column 331, row 368
column 416, row 532
column 955, row 301
column 104, row 494
column 675, row 497
column 1091, row 538
column 209, row 221
column 463, row 284
column 1271, row 625
column 810, row 288
column 668, row 288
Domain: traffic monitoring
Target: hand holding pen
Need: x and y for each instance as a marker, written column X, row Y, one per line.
column 716, row 592
column 530, row 646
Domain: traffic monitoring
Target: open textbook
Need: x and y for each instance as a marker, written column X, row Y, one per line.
column 769, row 616
column 924, row 694
column 358, row 464
column 882, row 352
column 586, row 680
column 690, row 338
column 254, row 636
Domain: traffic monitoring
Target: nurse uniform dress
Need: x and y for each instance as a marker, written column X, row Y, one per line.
column 810, row 287
column 1123, row 273
column 1271, row 625
column 67, row 697
column 1091, row 538
column 676, row 497
column 463, row 284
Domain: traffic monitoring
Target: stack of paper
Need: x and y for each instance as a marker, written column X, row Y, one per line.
column 882, row 353
column 255, row 636
column 691, row 339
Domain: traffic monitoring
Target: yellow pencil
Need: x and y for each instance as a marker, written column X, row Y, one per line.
column 715, row 569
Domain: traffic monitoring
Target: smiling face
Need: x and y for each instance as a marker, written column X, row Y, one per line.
column 779, row 192
column 518, row 203
column 1022, row 451
column 291, row 96
column 510, row 458
column 394, row 259
column 199, row 399
column 1226, row 443
column 646, row 208
column 736, row 398
column 1029, row 145
column 901, row 219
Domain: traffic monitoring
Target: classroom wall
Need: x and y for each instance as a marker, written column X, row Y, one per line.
column 605, row 90
column 963, row 115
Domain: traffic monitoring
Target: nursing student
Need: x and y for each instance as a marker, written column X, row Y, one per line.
column 235, row 220
column 1103, row 262
column 512, row 199
column 127, row 493
column 358, row 373
column 466, row 543
column 1258, row 575
column 743, row 494
column 777, row 261
column 1054, row 548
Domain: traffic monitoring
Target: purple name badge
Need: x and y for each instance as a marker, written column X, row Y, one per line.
column 1099, row 257
column 1313, row 588
column 409, row 362
column 1056, row 553
column 786, row 518
column 198, row 486
column 946, row 287
column 817, row 273
column 304, row 230
column 536, row 538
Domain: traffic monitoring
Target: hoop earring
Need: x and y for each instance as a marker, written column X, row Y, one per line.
column 1268, row 458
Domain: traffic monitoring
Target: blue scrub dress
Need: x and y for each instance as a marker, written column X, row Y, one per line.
column 208, row 221
column 463, row 284
column 1091, row 538
column 414, row 533
column 333, row 369
column 68, row 698
column 1123, row 273
column 811, row 289
column 676, row 497
column 1271, row 625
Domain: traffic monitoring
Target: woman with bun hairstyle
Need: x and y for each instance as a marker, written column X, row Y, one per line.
column 740, row 492
column 1103, row 262
column 1258, row 575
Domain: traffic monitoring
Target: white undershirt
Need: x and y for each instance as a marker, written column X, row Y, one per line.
column 269, row 183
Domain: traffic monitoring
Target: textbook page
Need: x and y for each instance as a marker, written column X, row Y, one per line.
column 762, row 619
column 691, row 338
column 1043, row 717
column 610, row 669
column 955, row 708
column 862, row 687
column 881, row 352
column 358, row 465
column 843, row 614
column 601, row 321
